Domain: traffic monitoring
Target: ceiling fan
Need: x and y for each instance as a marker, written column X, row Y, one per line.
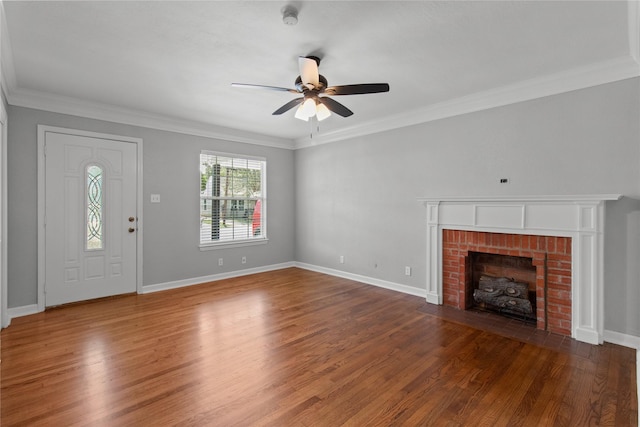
column 312, row 85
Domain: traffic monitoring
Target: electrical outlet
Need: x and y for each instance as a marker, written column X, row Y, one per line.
column 155, row 198
column 220, row 262
column 504, row 180
column 341, row 259
column 407, row 271
column 244, row 259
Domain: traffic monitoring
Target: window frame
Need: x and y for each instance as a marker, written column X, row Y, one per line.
column 262, row 239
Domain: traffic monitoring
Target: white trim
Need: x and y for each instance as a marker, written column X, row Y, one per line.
column 93, row 110
column 634, row 29
column 542, row 198
column 624, row 340
column 232, row 244
column 5, row 319
column 25, row 310
column 7, row 68
column 578, row 78
column 139, row 208
column 42, row 131
column 612, row 337
column 364, row 279
column 213, row 278
column 233, row 155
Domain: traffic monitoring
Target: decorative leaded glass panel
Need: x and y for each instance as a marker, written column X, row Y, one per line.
column 95, row 207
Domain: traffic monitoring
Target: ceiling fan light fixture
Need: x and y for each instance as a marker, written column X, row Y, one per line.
column 298, row 115
column 307, row 109
column 322, row 112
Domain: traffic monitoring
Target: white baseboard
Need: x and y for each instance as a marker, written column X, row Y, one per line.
column 622, row 339
column 24, row 310
column 365, row 279
column 612, row 337
column 213, row 278
column 33, row 308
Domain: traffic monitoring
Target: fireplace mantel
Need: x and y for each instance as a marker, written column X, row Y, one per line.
column 580, row 217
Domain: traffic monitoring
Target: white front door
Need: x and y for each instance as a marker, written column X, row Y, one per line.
column 90, row 217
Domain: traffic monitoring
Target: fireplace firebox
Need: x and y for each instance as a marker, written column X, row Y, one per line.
column 504, row 284
column 550, row 271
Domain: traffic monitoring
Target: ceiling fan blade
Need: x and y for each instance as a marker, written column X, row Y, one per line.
column 289, row 105
column 308, row 71
column 335, row 106
column 250, row 86
column 359, row 89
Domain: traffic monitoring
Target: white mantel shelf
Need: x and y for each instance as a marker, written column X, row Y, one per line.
column 551, row 198
column 580, row 217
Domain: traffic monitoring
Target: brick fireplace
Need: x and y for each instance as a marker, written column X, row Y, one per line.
column 563, row 233
column 550, row 255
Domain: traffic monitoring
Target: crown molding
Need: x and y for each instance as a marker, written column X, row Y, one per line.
column 634, row 29
column 7, row 69
column 91, row 110
column 616, row 69
column 578, row 78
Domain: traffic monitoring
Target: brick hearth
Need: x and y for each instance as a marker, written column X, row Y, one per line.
column 456, row 245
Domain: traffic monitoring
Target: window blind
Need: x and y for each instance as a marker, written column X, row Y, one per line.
column 232, row 198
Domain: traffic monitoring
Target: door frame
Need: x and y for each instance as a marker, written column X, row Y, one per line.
column 4, row 295
column 42, row 135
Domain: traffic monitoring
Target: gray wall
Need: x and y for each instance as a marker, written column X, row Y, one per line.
column 357, row 198
column 170, row 168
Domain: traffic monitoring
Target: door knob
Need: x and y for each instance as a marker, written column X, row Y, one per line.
column 131, row 219
column 131, row 229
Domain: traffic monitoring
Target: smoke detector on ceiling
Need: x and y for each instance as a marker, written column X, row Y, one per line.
column 290, row 15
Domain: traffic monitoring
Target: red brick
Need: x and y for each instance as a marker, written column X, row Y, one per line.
column 561, row 287
column 560, row 295
column 559, row 272
column 517, row 241
column 560, row 265
column 550, row 244
column 559, row 311
column 563, row 245
column 560, row 257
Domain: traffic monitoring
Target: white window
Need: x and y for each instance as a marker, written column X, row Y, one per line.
column 232, row 199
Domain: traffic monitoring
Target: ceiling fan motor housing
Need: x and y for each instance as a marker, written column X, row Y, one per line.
column 322, row 84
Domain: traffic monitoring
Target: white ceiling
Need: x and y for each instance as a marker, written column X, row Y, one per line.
column 170, row 64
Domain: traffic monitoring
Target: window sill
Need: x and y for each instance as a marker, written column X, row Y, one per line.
column 233, row 244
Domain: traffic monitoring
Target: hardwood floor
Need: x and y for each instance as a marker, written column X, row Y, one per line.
column 298, row 348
